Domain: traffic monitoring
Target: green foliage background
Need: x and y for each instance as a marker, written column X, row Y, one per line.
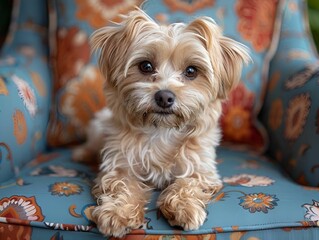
column 313, row 12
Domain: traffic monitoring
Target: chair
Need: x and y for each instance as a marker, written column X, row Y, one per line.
column 50, row 88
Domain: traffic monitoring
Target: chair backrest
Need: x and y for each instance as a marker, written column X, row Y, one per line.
column 25, row 87
column 254, row 23
column 291, row 107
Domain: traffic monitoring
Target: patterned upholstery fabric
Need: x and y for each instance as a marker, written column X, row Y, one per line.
column 291, row 110
column 53, row 193
column 25, row 89
column 73, row 108
column 44, row 195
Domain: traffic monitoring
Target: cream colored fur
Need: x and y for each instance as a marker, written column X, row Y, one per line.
column 143, row 148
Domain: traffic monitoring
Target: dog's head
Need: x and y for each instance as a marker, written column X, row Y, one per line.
column 166, row 76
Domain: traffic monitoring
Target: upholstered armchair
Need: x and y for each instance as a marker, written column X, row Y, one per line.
column 50, row 88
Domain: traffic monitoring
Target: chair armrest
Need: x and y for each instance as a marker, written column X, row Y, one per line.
column 25, row 90
column 291, row 108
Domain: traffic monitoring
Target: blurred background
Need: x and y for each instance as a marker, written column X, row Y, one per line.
column 313, row 12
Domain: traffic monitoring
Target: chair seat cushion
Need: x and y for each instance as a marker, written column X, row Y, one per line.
column 52, row 198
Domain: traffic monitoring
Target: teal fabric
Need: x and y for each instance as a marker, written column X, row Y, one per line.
column 257, row 195
column 291, row 108
column 25, row 80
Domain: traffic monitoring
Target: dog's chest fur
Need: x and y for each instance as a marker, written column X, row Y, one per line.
column 156, row 155
column 152, row 155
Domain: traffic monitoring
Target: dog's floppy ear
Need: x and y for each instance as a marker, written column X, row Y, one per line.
column 227, row 55
column 113, row 42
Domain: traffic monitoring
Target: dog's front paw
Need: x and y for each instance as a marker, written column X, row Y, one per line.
column 117, row 221
column 186, row 213
column 183, row 203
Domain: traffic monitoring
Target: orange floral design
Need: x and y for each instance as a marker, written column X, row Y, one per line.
column 273, row 81
column 20, row 129
column 3, row 87
column 275, row 114
column 72, row 53
column 65, row 189
column 98, row 13
column 80, row 100
column 188, row 6
column 12, row 231
column 237, row 119
column 39, row 84
column 297, row 113
column 256, row 21
column 259, row 202
column 83, row 98
column 248, row 180
column 20, row 208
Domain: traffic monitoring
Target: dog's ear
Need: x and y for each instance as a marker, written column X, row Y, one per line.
column 113, row 42
column 227, row 55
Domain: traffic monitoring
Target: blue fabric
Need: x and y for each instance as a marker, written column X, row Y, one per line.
column 25, row 83
column 291, row 108
column 256, row 196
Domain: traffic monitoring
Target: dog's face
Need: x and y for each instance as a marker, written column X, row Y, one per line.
column 166, row 76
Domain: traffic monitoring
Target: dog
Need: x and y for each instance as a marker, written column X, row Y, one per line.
column 164, row 89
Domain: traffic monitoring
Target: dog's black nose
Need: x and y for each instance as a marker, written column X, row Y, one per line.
column 164, row 98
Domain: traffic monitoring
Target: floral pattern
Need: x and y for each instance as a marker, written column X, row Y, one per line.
column 188, row 6
column 3, row 88
column 248, row 180
column 259, row 202
column 68, row 66
column 91, row 101
column 236, row 120
column 27, row 95
column 78, row 106
column 295, row 71
column 54, row 171
column 256, row 21
column 68, row 227
column 99, row 13
column 275, row 114
column 312, row 211
column 20, row 207
column 297, row 113
column 65, row 189
column 302, row 77
column 20, row 128
column 12, row 231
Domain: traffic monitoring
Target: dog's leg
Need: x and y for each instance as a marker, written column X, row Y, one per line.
column 183, row 202
column 121, row 201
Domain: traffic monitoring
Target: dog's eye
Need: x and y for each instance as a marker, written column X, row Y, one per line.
column 190, row 72
column 146, row 67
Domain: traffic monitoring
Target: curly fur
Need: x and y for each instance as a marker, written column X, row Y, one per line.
column 143, row 148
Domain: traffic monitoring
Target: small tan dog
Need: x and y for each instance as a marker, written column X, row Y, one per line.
column 164, row 89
